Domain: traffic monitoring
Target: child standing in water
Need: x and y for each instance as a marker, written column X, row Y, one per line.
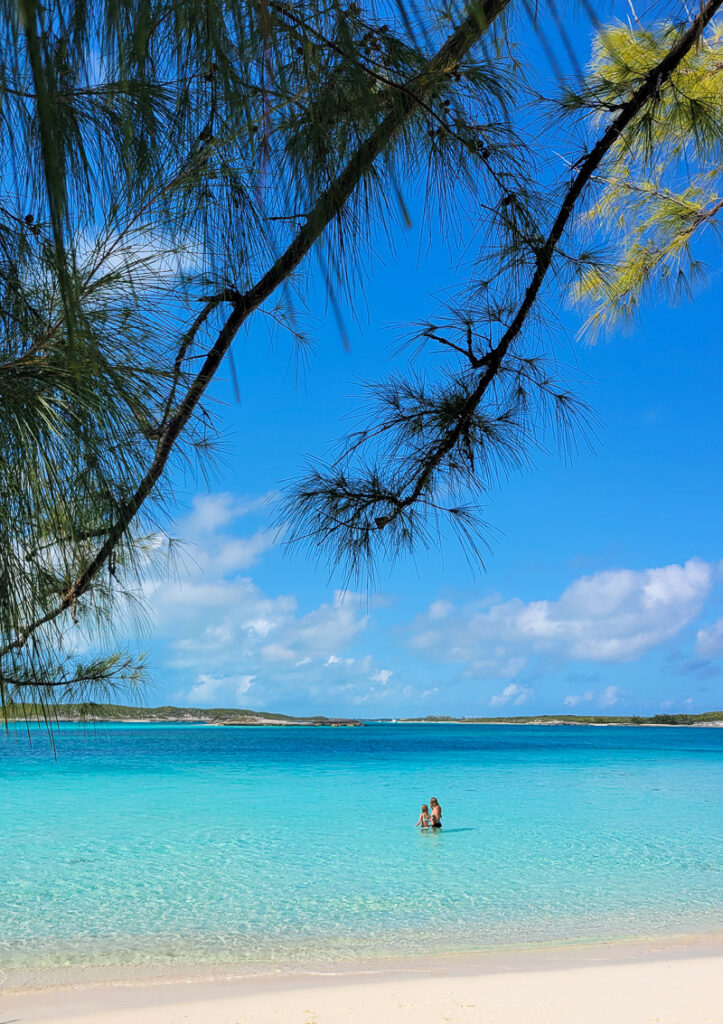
column 424, row 820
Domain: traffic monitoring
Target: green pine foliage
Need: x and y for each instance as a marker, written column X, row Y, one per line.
column 664, row 189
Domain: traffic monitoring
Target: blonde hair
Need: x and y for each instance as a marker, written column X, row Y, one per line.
column 425, row 808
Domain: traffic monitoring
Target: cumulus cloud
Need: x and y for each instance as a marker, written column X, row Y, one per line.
column 382, row 676
column 440, row 609
column 214, row 621
column 209, row 512
column 710, row 640
column 333, row 660
column 231, row 622
column 611, row 695
column 573, row 699
column 209, row 686
column 210, row 543
column 517, row 694
column 277, row 652
column 206, row 686
column 612, row 616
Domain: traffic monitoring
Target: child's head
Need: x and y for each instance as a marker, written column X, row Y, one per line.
column 425, row 809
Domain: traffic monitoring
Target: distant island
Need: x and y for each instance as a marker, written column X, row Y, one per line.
column 96, row 712
column 714, row 718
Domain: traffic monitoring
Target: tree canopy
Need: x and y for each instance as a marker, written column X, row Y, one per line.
column 171, row 168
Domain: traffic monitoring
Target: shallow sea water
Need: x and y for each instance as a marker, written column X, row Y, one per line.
column 172, row 844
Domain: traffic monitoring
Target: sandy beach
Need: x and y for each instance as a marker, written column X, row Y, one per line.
column 638, row 983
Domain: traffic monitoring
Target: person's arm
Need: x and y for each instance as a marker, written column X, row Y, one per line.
column 419, row 821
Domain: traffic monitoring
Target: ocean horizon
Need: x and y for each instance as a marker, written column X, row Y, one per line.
column 167, row 844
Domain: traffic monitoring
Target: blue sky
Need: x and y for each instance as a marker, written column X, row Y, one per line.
column 603, row 589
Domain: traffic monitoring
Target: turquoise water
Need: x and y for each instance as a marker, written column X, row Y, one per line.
column 168, row 844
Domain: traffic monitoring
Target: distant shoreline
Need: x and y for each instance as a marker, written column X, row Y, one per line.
column 556, row 722
column 92, row 714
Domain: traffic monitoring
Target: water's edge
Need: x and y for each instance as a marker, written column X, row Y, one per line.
column 532, row 957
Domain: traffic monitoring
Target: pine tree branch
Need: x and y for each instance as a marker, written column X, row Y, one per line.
column 585, row 169
column 327, row 207
column 704, row 216
column 54, row 172
column 54, row 684
column 211, row 304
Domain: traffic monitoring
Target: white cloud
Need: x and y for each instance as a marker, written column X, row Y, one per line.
column 244, row 685
column 277, row 652
column 246, row 619
column 242, row 552
column 208, row 513
column 211, row 511
column 247, row 624
column 611, row 616
column 208, row 686
column 330, row 626
column 211, row 547
column 333, row 660
column 710, row 640
column 517, row 694
column 382, row 676
column 611, row 695
column 220, row 629
column 260, row 627
column 577, row 698
column 440, row 609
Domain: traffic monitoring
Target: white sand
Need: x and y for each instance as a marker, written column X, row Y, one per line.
column 645, row 984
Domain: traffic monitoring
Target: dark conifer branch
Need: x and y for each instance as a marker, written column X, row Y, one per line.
column 338, row 510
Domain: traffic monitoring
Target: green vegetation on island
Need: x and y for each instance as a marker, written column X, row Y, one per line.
column 92, row 712
column 706, row 718
column 95, row 712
